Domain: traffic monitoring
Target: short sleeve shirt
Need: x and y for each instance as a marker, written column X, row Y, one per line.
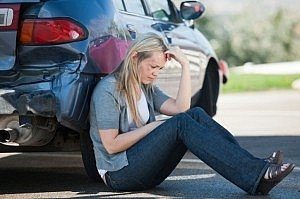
column 108, row 110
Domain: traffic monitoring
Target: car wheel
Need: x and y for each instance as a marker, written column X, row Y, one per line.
column 207, row 96
column 88, row 157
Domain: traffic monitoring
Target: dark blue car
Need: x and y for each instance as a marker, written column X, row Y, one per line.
column 53, row 52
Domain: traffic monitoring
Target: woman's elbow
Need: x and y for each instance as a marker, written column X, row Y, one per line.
column 109, row 142
column 110, row 150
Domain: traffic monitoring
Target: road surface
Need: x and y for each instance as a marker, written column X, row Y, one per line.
column 263, row 122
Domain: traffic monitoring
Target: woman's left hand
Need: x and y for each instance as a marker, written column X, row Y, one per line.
column 178, row 55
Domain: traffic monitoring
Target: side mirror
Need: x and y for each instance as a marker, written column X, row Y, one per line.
column 191, row 10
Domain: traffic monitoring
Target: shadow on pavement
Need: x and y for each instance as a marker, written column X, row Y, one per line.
column 25, row 174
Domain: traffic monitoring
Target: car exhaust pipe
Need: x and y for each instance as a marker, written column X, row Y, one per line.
column 30, row 131
column 8, row 135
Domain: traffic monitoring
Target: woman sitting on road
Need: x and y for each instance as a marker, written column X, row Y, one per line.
column 135, row 152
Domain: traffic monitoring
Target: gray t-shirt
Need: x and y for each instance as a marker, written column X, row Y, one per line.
column 108, row 110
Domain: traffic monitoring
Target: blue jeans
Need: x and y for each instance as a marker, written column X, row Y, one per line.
column 153, row 158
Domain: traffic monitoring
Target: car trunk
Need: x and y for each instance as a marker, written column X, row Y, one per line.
column 9, row 23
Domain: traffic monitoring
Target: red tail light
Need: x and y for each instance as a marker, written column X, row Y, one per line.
column 50, row 31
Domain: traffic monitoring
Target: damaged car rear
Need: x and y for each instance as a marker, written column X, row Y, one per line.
column 53, row 53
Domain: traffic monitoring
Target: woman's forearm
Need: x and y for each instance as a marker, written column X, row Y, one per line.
column 124, row 141
column 183, row 99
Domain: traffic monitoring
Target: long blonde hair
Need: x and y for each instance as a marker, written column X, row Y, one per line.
column 127, row 74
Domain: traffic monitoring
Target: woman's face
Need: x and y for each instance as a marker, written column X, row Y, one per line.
column 149, row 68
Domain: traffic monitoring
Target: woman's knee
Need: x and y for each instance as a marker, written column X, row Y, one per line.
column 196, row 110
column 182, row 119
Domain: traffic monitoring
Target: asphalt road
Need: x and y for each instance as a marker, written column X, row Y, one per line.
column 263, row 122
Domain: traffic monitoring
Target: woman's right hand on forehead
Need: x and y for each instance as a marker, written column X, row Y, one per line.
column 178, row 55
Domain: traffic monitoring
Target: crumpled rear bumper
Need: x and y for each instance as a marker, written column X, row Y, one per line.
column 41, row 103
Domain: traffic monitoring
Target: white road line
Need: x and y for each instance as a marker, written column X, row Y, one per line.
column 199, row 161
column 191, row 177
column 191, row 161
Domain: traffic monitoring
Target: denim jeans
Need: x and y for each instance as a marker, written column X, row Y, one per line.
column 154, row 157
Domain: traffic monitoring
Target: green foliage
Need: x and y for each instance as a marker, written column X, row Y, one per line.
column 250, row 37
column 254, row 82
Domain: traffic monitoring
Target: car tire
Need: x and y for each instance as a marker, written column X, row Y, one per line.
column 88, row 157
column 207, row 96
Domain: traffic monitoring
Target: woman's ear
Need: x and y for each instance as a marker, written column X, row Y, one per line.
column 167, row 55
column 134, row 56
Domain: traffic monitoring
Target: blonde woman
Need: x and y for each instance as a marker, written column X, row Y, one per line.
column 135, row 152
